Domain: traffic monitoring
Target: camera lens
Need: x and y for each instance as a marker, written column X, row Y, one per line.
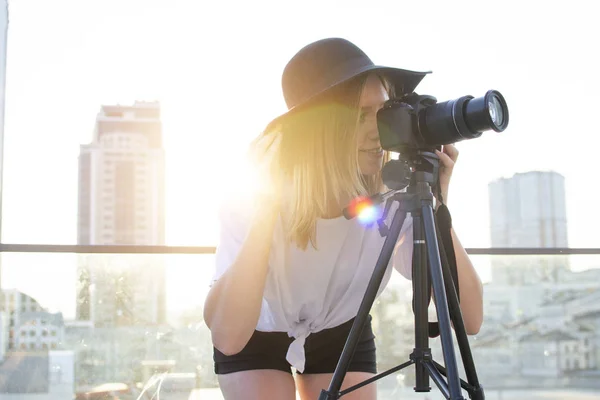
column 487, row 112
column 495, row 111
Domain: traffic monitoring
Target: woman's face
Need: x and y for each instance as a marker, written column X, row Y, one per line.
column 370, row 153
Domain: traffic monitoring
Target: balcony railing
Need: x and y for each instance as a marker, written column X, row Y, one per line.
column 134, row 249
column 79, row 318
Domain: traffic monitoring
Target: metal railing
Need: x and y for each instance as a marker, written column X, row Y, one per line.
column 135, row 249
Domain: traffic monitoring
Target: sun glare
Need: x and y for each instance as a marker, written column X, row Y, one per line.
column 363, row 209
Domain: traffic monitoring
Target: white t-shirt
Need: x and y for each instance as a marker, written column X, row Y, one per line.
column 310, row 290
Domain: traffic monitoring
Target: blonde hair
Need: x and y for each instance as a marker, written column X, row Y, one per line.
column 313, row 152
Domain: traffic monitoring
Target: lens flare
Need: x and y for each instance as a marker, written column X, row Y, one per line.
column 364, row 209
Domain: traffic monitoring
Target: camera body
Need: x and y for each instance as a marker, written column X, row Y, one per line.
column 417, row 122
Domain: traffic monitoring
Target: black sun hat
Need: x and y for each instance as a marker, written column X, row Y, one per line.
column 326, row 63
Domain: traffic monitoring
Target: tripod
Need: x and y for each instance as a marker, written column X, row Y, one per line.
column 417, row 172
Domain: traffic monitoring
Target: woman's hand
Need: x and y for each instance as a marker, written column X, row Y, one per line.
column 448, row 157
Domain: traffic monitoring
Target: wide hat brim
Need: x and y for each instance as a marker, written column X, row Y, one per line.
column 403, row 80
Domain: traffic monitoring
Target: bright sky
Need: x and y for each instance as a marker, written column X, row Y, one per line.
column 216, row 67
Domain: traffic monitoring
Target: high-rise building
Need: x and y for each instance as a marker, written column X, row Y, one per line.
column 3, row 43
column 121, row 202
column 528, row 210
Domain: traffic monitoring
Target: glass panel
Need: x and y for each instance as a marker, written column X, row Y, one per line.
column 85, row 321
column 128, row 323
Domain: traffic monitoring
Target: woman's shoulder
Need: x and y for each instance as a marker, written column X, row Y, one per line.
column 234, row 208
column 240, row 209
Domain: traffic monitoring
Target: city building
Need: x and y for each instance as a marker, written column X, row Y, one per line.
column 121, row 202
column 35, row 344
column 3, row 44
column 528, row 210
column 29, row 325
column 4, row 334
column 40, row 375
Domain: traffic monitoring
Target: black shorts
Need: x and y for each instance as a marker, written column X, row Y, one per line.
column 267, row 350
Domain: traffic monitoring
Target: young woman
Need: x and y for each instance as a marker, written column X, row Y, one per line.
column 291, row 270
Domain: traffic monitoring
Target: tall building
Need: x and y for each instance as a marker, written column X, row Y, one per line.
column 3, row 43
column 528, row 210
column 121, row 202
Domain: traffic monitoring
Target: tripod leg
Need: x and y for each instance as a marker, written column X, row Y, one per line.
column 438, row 379
column 441, row 302
column 459, row 327
column 420, row 288
column 365, row 306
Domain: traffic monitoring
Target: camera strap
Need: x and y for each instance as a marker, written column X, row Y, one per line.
column 443, row 226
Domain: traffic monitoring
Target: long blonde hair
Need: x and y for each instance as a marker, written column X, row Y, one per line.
column 313, row 152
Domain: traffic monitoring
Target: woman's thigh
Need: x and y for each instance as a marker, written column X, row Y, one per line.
column 258, row 384
column 310, row 385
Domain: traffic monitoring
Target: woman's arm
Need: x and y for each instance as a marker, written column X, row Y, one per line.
column 233, row 304
column 471, row 288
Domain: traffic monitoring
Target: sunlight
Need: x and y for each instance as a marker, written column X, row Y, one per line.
column 364, row 209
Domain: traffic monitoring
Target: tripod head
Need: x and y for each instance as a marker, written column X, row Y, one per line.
column 413, row 170
column 410, row 168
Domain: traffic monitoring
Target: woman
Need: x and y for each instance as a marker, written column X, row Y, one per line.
column 291, row 270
